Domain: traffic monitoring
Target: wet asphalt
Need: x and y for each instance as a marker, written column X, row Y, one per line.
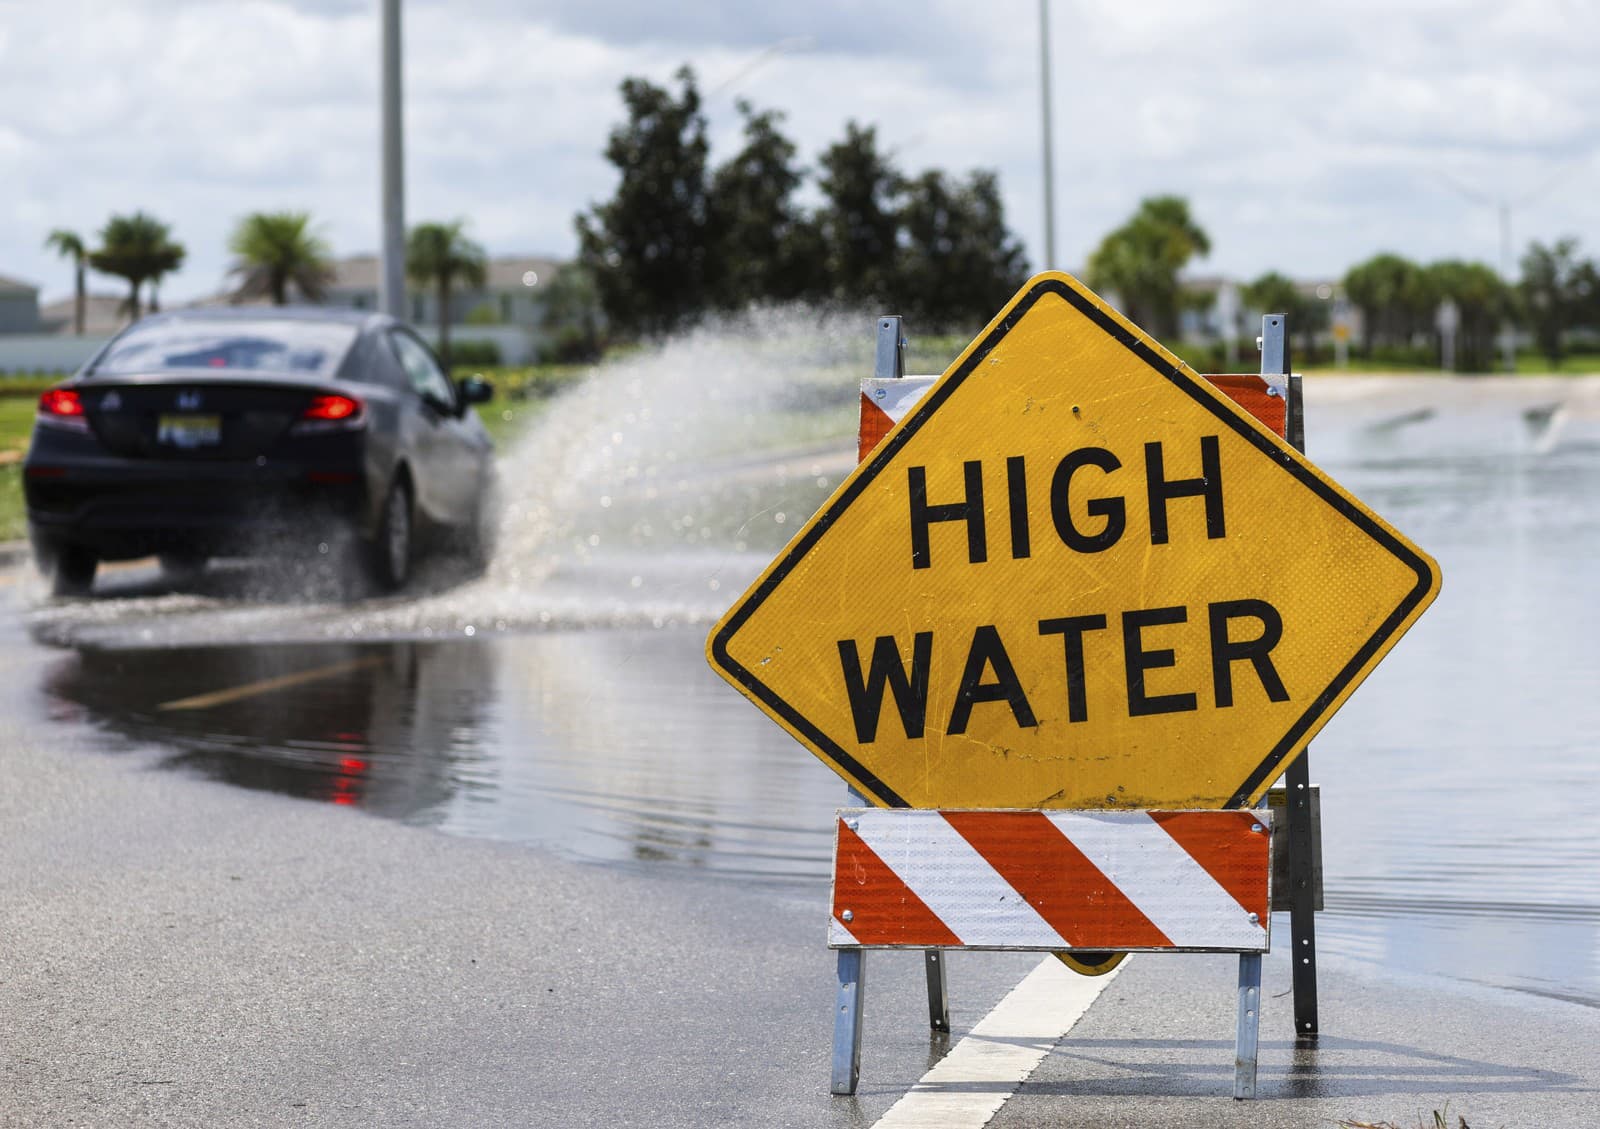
column 177, row 951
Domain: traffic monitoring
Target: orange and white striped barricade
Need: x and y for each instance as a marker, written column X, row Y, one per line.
column 1050, row 881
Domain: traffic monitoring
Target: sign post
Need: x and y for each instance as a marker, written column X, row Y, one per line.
column 1301, row 895
column 1075, row 575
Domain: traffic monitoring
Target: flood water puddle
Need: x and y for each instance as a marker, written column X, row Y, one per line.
column 1460, row 831
column 612, row 746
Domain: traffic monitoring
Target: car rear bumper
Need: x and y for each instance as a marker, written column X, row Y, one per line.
column 125, row 509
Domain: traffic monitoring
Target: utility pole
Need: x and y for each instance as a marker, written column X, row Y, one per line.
column 1508, row 332
column 1049, row 164
column 392, row 259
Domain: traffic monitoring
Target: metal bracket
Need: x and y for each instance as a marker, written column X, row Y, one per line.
column 1277, row 800
column 890, row 359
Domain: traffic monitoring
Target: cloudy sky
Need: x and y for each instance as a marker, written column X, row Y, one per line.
column 1306, row 135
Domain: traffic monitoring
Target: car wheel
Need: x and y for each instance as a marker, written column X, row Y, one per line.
column 72, row 573
column 389, row 555
column 182, row 567
column 479, row 534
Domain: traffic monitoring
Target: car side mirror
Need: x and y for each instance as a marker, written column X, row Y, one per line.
column 475, row 390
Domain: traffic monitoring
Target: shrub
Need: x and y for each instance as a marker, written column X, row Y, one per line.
column 474, row 353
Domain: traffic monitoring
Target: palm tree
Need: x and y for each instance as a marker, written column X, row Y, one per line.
column 1392, row 293
column 69, row 246
column 276, row 250
column 440, row 253
column 1141, row 259
column 137, row 247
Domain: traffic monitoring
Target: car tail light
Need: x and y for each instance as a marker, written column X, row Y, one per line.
column 332, row 412
column 62, row 407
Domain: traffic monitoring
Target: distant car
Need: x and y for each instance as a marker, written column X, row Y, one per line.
column 251, row 431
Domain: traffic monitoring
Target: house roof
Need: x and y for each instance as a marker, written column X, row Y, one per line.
column 360, row 272
column 102, row 314
column 16, row 286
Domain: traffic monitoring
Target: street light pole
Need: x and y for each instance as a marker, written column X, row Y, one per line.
column 1049, row 164
column 392, row 260
column 1508, row 331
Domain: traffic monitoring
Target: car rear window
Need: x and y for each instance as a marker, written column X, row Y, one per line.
column 268, row 345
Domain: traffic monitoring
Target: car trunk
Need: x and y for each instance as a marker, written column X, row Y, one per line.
column 176, row 418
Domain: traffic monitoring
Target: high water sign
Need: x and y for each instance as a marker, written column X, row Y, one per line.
column 1074, row 576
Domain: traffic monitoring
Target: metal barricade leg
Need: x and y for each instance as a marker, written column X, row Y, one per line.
column 848, row 1011
column 1245, row 1042
column 938, row 996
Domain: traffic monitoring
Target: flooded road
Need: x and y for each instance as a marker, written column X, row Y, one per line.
column 564, row 701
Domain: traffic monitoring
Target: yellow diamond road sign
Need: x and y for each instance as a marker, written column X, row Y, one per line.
column 1075, row 576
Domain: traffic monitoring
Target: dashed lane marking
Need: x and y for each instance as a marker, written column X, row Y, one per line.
column 267, row 685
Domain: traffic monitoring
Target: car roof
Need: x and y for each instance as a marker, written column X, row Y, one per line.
column 362, row 319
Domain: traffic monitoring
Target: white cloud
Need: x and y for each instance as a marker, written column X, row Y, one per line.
column 1306, row 136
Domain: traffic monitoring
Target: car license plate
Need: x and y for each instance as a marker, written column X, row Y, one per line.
column 189, row 431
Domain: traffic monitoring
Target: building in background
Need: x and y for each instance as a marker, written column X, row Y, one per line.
column 1214, row 308
column 508, row 310
column 19, row 306
column 104, row 315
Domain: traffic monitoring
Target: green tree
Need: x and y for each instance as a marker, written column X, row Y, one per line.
column 1396, row 299
column 860, row 217
column 572, row 316
column 1275, row 293
column 1482, row 300
column 768, row 250
column 1141, row 259
column 1559, row 291
column 136, row 248
column 959, row 263
column 650, row 247
column 440, row 254
column 274, row 251
column 69, row 245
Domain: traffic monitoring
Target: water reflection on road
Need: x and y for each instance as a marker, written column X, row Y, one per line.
column 1460, row 832
column 613, row 746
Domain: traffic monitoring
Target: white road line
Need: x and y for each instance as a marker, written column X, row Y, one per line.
column 969, row 1085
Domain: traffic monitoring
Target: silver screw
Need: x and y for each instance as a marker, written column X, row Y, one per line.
column 1256, row 828
column 848, row 915
column 1255, row 917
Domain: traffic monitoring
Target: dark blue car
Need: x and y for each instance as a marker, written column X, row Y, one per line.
column 250, row 432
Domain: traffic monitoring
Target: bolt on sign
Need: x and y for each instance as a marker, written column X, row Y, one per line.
column 1075, row 575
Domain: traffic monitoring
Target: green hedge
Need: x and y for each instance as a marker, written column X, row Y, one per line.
column 474, row 353
column 29, row 384
column 525, row 382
